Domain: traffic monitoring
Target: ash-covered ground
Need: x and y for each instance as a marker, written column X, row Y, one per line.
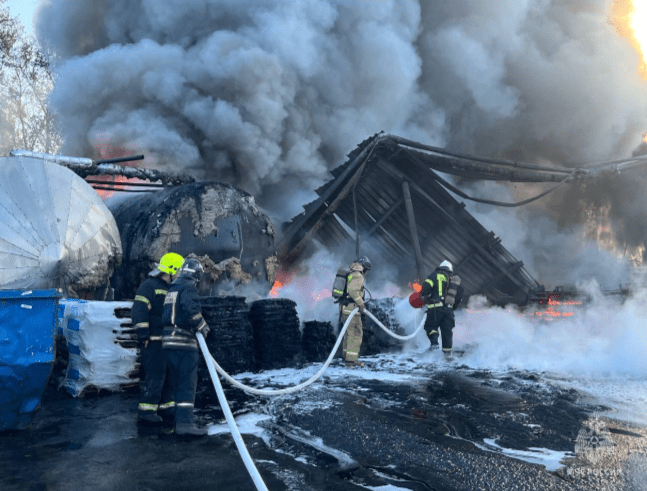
column 406, row 421
column 526, row 404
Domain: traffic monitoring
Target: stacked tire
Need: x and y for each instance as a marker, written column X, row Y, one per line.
column 375, row 340
column 231, row 340
column 277, row 338
column 317, row 341
column 231, row 343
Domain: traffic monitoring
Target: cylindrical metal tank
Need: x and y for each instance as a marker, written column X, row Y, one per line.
column 218, row 223
column 55, row 230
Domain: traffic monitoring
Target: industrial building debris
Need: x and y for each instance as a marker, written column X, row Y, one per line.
column 85, row 167
column 388, row 198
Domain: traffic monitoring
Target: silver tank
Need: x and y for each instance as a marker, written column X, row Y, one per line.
column 55, row 230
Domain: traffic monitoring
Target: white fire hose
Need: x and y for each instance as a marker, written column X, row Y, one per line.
column 289, row 390
column 213, row 366
column 240, row 444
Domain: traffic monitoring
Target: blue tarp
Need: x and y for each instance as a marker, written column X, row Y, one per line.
column 28, row 323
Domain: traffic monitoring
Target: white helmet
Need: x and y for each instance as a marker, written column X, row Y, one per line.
column 446, row 265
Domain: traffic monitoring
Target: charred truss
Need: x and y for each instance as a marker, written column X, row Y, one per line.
column 388, row 194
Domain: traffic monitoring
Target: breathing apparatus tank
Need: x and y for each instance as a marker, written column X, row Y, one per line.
column 450, row 297
column 339, row 285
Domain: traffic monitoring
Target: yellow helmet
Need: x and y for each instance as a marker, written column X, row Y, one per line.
column 170, row 263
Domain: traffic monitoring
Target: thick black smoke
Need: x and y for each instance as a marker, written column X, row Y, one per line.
column 269, row 95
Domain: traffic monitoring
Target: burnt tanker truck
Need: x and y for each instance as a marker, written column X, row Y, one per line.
column 215, row 222
column 59, row 233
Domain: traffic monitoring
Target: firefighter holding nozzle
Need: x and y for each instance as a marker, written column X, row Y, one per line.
column 442, row 293
column 182, row 318
column 352, row 297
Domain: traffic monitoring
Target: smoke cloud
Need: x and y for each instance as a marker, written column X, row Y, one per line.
column 270, row 95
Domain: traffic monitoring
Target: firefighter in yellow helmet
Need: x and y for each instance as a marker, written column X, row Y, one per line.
column 156, row 398
column 354, row 298
column 442, row 292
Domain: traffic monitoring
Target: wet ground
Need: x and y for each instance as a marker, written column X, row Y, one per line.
column 400, row 423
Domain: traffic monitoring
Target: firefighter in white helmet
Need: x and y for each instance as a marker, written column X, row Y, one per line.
column 442, row 293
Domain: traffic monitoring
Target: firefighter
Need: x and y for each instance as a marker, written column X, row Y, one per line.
column 155, row 399
column 442, row 293
column 354, row 297
column 182, row 318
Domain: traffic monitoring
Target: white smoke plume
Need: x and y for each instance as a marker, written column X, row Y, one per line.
column 269, row 95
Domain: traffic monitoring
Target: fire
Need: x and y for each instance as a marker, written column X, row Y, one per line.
column 316, row 296
column 629, row 17
column 415, row 286
column 111, row 151
column 274, row 292
column 282, row 279
column 112, row 182
column 555, row 308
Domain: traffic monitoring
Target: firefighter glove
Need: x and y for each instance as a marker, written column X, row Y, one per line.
column 204, row 330
column 362, row 309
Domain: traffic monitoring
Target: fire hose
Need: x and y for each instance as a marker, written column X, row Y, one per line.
column 289, row 390
column 213, row 367
column 238, row 439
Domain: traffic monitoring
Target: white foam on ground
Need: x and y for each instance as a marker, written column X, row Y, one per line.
column 247, row 424
column 550, row 459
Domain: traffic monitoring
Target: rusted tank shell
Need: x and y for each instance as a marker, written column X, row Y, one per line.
column 55, row 231
column 220, row 224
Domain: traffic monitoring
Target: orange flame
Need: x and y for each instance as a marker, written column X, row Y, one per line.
column 274, row 292
column 282, row 279
column 630, row 22
column 111, row 151
column 415, row 286
column 554, row 308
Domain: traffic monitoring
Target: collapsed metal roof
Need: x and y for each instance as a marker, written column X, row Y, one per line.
column 388, row 194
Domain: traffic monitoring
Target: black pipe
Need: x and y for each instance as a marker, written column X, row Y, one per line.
column 126, row 183
column 118, row 190
column 120, row 159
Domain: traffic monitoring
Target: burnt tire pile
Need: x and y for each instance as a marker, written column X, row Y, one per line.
column 277, row 338
column 230, row 342
column 317, row 341
column 231, row 339
column 375, row 340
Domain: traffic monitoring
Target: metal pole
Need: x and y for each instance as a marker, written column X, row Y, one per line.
column 412, row 228
column 356, row 224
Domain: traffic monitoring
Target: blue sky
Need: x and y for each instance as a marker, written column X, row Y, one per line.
column 23, row 9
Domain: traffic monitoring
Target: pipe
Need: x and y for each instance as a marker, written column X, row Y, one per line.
column 120, row 159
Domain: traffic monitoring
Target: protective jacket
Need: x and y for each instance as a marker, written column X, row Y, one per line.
column 147, row 308
column 182, row 315
column 352, row 341
column 435, row 287
column 355, row 286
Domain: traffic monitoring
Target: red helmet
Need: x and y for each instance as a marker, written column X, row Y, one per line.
column 415, row 300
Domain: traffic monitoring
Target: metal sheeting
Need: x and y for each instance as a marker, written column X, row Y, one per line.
column 55, row 230
column 375, row 173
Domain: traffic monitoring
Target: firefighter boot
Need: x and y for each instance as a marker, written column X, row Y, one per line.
column 148, row 418
column 185, row 422
column 167, row 413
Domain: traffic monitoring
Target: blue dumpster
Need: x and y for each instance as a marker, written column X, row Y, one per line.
column 28, row 320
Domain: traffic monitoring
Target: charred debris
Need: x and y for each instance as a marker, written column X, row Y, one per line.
column 389, row 197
